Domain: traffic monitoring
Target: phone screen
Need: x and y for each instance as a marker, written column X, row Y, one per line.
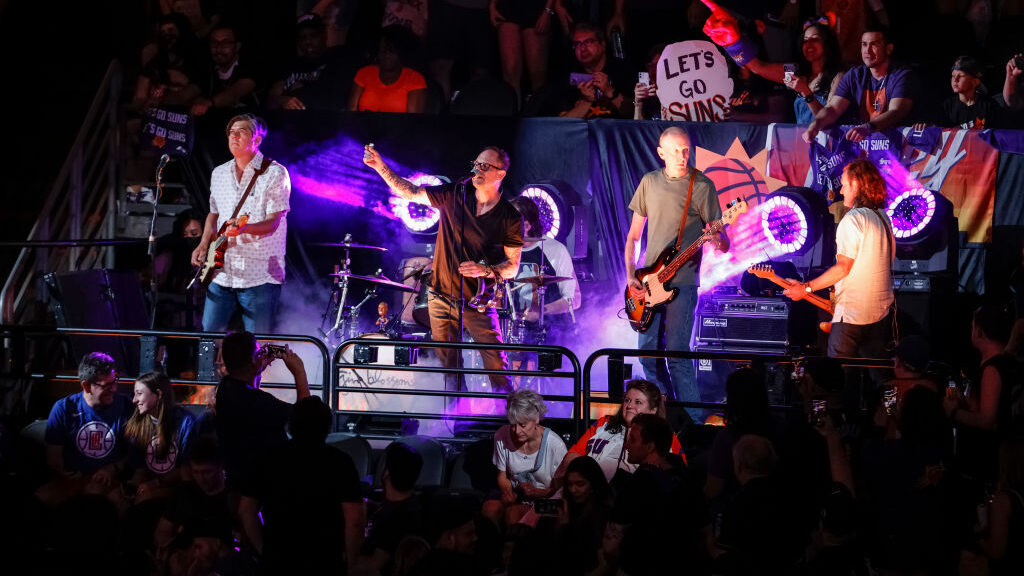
column 644, row 78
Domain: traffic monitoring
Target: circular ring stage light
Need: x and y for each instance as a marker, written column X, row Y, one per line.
column 911, row 211
column 552, row 212
column 418, row 218
column 784, row 222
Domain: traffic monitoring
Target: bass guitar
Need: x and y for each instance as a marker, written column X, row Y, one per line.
column 656, row 277
column 215, row 254
column 768, row 273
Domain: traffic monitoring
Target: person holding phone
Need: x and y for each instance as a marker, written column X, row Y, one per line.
column 598, row 94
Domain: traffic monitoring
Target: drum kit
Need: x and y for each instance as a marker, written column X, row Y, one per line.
column 513, row 322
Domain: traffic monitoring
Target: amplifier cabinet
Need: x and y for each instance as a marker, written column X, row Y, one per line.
column 742, row 321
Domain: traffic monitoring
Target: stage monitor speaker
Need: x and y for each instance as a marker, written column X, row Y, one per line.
column 105, row 299
column 712, row 374
column 926, row 305
column 743, row 321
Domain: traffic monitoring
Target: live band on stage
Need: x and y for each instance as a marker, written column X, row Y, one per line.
column 495, row 276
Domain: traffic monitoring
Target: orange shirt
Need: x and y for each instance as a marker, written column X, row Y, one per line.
column 380, row 97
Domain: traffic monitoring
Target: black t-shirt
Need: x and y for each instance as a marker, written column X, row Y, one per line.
column 197, row 512
column 249, row 422
column 622, row 79
column 302, row 488
column 323, row 82
column 241, row 70
column 392, row 522
column 482, row 237
column 985, row 113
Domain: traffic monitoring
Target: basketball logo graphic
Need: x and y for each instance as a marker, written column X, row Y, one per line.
column 736, row 179
column 155, row 463
column 95, row 440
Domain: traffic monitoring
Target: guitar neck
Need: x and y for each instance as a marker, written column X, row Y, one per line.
column 818, row 301
column 683, row 257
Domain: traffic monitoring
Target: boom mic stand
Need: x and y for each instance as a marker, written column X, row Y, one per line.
column 151, row 250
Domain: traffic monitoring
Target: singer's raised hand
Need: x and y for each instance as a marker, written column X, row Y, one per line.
column 721, row 27
column 372, row 158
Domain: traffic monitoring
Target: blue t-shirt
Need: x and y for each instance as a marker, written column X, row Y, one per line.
column 91, row 438
column 870, row 96
column 184, row 424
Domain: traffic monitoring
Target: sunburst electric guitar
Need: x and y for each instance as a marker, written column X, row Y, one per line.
column 656, row 277
column 765, row 271
column 215, row 254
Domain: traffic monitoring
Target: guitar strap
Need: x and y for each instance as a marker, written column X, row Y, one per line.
column 686, row 210
column 252, row 182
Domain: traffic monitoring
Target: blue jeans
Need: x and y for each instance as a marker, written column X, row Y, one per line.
column 258, row 305
column 670, row 329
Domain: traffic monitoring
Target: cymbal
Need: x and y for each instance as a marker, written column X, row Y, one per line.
column 349, row 245
column 377, row 280
column 542, row 280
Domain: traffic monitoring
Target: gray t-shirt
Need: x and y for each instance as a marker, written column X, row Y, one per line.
column 661, row 200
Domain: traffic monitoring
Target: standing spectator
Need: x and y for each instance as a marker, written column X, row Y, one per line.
column 308, row 496
column 460, row 39
column 991, row 410
column 201, row 14
column 84, row 433
column 878, row 95
column 646, row 105
column 526, row 455
column 598, row 93
column 160, row 435
column 588, row 502
column 524, row 35
column 250, row 421
column 400, row 515
column 1006, row 513
column 454, row 538
column 171, row 67
column 231, row 82
column 388, row 85
column 1013, row 95
column 316, row 77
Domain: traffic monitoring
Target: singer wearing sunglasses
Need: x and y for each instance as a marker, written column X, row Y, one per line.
column 479, row 241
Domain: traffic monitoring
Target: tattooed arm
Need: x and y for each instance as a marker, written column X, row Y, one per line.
column 399, row 186
column 507, row 268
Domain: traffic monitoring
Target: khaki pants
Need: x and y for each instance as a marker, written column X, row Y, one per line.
column 482, row 327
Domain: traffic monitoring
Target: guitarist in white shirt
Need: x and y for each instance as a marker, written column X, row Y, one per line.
column 253, row 267
column 659, row 203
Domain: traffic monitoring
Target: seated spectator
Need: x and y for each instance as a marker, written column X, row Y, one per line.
column 171, row 67
column 159, row 435
column 588, row 503
column 200, row 502
column 388, row 85
column 526, row 455
column 400, row 515
column 308, row 497
column 201, row 15
column 660, row 504
column 969, row 107
column 605, row 440
column 876, row 95
column 646, row 105
column 250, row 421
column 597, row 92
column 485, row 94
column 746, row 412
column 1005, row 514
column 461, row 38
column 454, row 536
column 85, row 448
column 992, row 410
column 835, row 548
column 757, row 533
column 316, row 77
column 231, row 82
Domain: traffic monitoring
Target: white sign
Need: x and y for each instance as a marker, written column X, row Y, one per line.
column 693, row 82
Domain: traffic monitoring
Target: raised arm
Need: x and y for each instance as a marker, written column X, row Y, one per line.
column 399, row 186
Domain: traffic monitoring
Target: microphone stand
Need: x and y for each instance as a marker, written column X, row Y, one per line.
column 151, row 250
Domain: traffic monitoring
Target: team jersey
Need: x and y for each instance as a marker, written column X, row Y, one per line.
column 607, row 448
column 176, row 455
column 91, row 438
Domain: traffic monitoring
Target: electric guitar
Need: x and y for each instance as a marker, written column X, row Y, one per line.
column 215, row 254
column 765, row 271
column 656, row 277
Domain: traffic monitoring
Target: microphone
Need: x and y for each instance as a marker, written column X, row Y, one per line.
column 472, row 173
column 165, row 159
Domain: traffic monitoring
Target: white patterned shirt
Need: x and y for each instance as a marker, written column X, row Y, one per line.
column 251, row 260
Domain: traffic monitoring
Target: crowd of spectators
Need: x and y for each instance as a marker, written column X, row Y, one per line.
column 847, row 62
column 925, row 476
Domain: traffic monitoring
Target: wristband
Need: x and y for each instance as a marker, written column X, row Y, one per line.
column 743, row 51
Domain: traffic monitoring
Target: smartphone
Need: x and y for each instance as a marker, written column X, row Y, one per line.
column 548, row 506
column 889, row 400
column 577, row 78
column 789, row 70
column 273, row 351
column 644, row 78
column 818, row 408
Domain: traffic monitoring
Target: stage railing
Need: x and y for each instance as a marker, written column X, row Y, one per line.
column 340, row 364
column 206, row 356
column 617, row 356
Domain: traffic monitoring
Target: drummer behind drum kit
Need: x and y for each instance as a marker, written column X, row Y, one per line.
column 498, row 296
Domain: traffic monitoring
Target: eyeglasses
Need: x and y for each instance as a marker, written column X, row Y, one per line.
column 584, row 42
column 483, row 166
column 112, row 383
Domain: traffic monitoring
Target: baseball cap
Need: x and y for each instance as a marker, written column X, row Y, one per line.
column 969, row 65
column 310, row 20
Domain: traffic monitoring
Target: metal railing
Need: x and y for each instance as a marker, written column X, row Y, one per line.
column 81, row 204
column 576, row 399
